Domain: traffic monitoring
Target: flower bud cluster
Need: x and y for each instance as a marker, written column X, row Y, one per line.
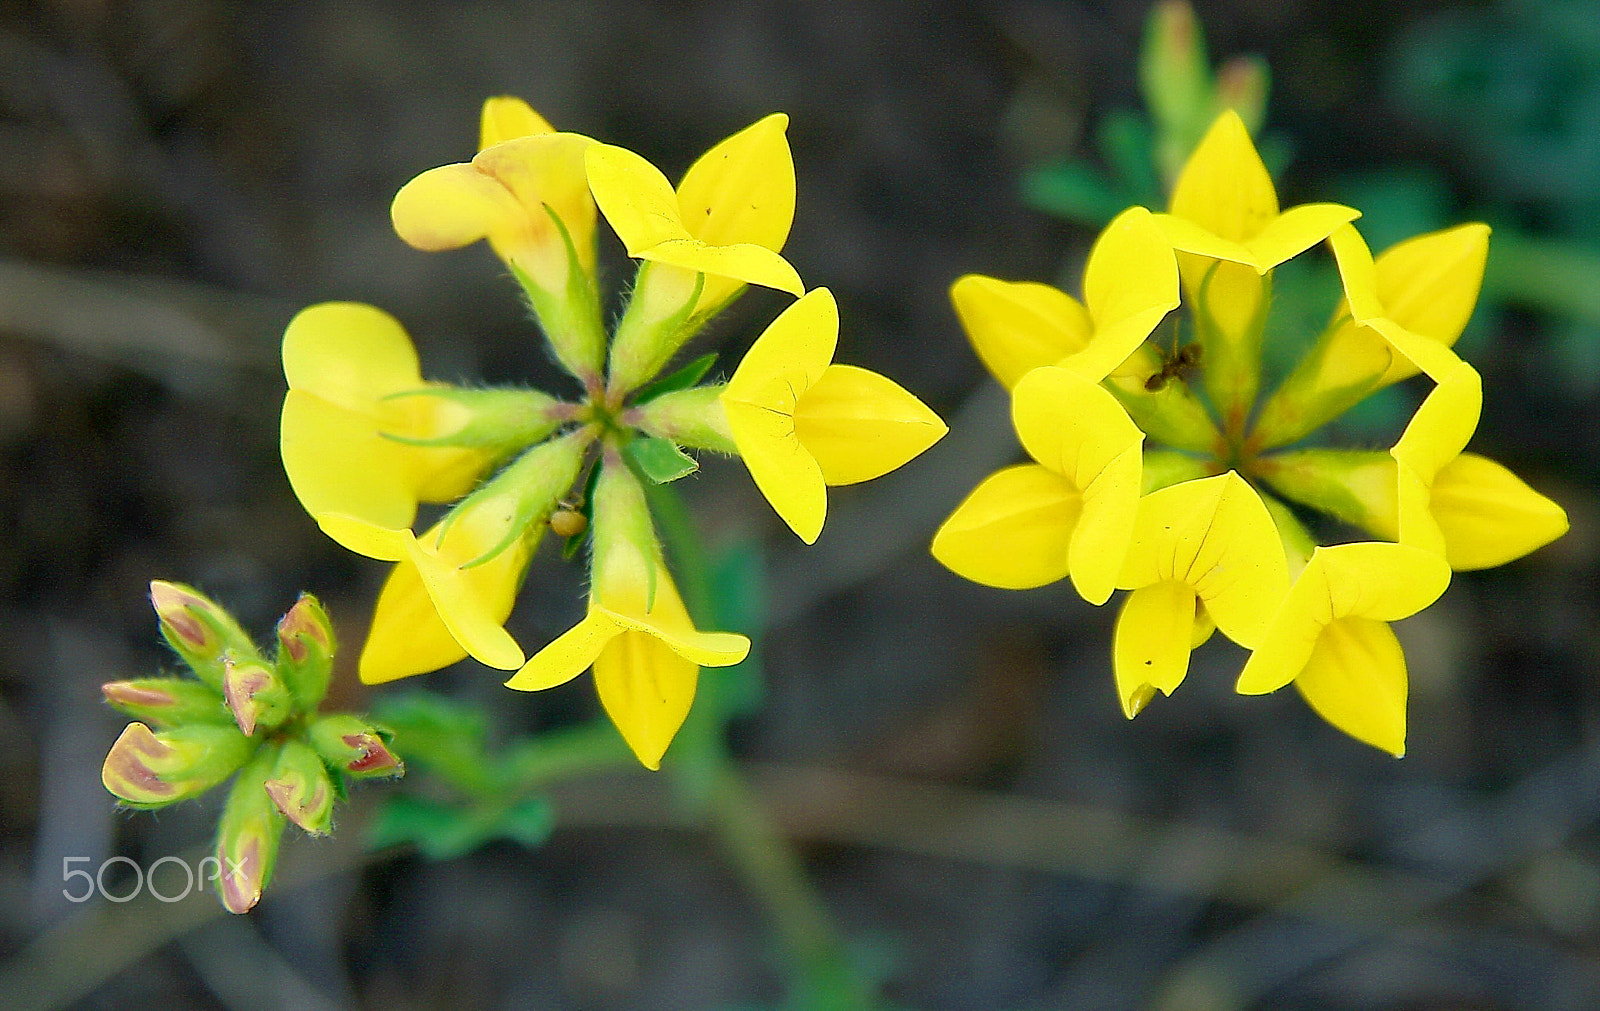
column 241, row 714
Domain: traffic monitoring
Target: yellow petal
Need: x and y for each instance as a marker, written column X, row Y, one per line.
column 1295, row 231
column 1013, row 531
column 742, row 190
column 451, row 206
column 407, row 636
column 545, row 174
column 1190, row 237
column 470, row 609
column 743, row 262
column 646, row 689
column 506, row 117
column 349, row 354
column 859, row 425
column 1429, row 284
column 1019, row 326
column 1075, row 428
column 1153, row 633
column 760, row 400
column 1215, row 536
column 1361, row 286
column 1225, row 187
column 1356, row 680
column 1442, row 426
column 337, row 462
column 568, row 655
column 1488, row 515
column 1131, row 271
column 635, row 197
column 668, row 621
column 386, row 544
column 1377, row 580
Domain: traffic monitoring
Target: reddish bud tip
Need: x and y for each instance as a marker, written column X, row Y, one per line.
column 374, row 756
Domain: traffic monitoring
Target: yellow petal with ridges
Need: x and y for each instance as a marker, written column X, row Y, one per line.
column 646, row 689
column 744, row 262
column 1070, row 424
column 1216, row 536
column 1014, row 530
column 1018, row 326
column 1356, row 680
column 859, row 425
column 1100, row 542
column 1224, row 187
column 785, row 473
column 742, row 190
column 1152, row 642
column 635, row 197
column 506, row 117
column 1488, row 515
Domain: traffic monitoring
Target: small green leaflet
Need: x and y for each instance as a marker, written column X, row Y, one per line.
column 680, row 380
column 659, row 460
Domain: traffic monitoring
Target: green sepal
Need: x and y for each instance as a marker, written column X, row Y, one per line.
column 501, row 420
column 1164, row 467
column 167, row 702
column 658, row 460
column 1358, row 487
column 681, row 379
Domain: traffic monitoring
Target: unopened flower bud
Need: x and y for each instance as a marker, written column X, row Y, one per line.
column 248, row 836
column 198, row 629
column 306, row 645
column 302, row 789
column 692, row 417
column 166, row 702
column 354, row 747
column 145, row 769
column 255, row 693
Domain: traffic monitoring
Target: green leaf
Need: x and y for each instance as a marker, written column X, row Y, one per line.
column 659, row 460
column 439, row 831
column 1073, row 190
column 529, row 823
column 682, row 379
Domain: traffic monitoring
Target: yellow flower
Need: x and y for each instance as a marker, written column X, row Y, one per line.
column 720, row 230
column 453, row 588
column 1129, row 284
column 1333, row 640
column 637, row 635
column 528, row 195
column 349, row 441
column 801, row 423
column 1070, row 513
column 1205, row 554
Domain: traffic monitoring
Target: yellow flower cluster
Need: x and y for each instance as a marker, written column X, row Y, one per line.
column 365, row 438
column 1207, row 532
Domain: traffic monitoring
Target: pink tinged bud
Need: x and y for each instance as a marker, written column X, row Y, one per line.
column 302, row 789
column 354, row 747
column 166, row 702
column 145, row 769
column 247, row 836
column 255, row 694
column 306, row 646
column 198, row 630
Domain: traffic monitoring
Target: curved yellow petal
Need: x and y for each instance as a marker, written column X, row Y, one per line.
column 1355, row 679
column 634, row 196
column 1224, row 187
column 1359, row 274
column 568, row 655
column 1018, row 326
column 646, row 689
column 742, row 190
column 1014, row 530
column 1131, row 271
column 1152, row 642
column 859, row 425
column 1189, row 237
column 337, row 462
column 386, row 544
column 1488, row 515
column 545, row 175
column 1429, row 284
column 506, row 117
column 1100, row 542
column 452, row 206
column 469, row 608
column 786, row 474
column 1215, row 536
column 1436, row 435
column 668, row 621
column 743, row 262
column 1295, row 231
column 349, row 354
